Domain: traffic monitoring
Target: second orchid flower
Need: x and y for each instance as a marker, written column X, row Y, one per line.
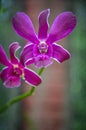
column 15, row 69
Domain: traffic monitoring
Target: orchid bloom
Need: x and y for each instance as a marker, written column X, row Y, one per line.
column 15, row 69
column 43, row 48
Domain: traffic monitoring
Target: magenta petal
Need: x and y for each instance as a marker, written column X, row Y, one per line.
column 26, row 54
column 59, row 53
column 62, row 26
column 43, row 24
column 31, row 77
column 12, row 82
column 24, row 27
column 12, row 49
column 3, row 57
column 5, row 73
column 29, row 62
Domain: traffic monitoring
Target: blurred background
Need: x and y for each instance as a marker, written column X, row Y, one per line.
column 59, row 103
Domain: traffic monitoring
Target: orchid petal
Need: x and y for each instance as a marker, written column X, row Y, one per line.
column 62, row 26
column 26, row 54
column 30, row 61
column 43, row 24
column 6, row 72
column 3, row 57
column 31, row 77
column 24, row 27
column 12, row 49
column 59, row 53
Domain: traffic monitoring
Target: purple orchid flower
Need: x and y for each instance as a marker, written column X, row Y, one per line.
column 15, row 69
column 43, row 48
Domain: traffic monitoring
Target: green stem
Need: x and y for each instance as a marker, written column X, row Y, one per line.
column 20, row 97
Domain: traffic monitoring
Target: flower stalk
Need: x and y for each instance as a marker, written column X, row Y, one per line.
column 20, row 97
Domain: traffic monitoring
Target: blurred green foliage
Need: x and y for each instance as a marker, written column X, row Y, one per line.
column 10, row 119
column 78, row 70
